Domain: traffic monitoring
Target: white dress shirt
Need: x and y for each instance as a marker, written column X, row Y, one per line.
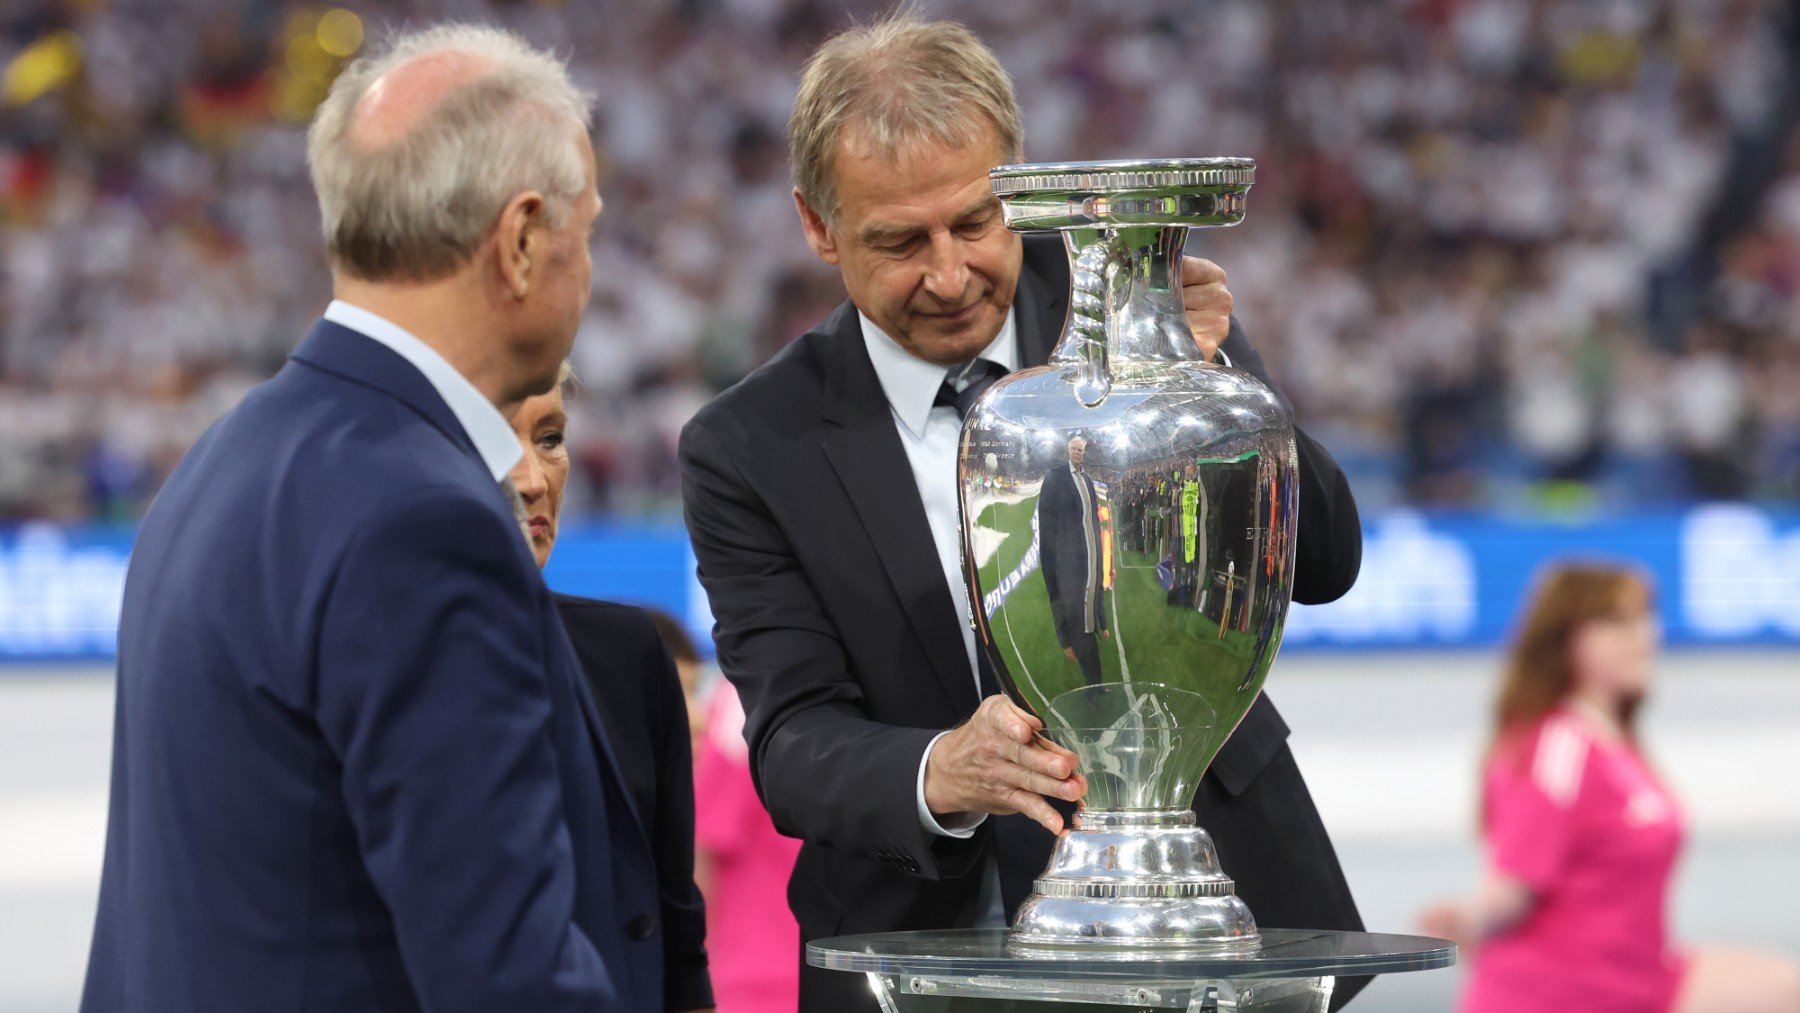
column 487, row 428
column 930, row 435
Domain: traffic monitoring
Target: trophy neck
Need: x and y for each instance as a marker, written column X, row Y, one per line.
column 1127, row 298
column 1124, row 222
column 1133, row 819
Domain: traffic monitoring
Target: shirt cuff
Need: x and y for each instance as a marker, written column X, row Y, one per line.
column 960, row 825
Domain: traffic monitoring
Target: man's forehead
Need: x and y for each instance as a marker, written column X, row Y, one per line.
column 901, row 218
column 919, row 175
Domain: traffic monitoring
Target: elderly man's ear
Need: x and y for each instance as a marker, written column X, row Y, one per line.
column 522, row 239
column 818, row 234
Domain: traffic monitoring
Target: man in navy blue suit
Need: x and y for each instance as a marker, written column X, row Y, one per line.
column 354, row 765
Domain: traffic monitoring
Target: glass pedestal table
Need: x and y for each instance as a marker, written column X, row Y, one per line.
column 980, row 971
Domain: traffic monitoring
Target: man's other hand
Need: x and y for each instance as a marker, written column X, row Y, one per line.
column 996, row 762
column 1207, row 302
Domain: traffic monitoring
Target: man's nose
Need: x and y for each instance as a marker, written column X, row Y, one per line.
column 947, row 272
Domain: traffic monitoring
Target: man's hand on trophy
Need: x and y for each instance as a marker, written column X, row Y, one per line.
column 996, row 762
column 1207, row 302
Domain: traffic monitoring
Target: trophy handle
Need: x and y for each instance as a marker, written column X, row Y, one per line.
column 1096, row 274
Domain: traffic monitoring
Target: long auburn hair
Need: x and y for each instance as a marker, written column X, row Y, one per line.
column 1539, row 671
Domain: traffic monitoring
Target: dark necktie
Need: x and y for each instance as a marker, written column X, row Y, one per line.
column 980, row 375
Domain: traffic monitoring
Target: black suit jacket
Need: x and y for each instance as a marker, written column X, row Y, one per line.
column 836, row 625
column 638, row 694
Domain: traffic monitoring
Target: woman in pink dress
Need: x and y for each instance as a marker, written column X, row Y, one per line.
column 1581, row 833
column 743, row 868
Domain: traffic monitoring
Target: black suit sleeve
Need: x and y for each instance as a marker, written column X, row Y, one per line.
column 828, row 774
column 1259, row 786
column 1328, row 546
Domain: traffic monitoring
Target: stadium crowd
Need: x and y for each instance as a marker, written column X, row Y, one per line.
column 1501, row 254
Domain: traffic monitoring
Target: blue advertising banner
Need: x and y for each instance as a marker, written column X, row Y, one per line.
column 1727, row 574
column 60, row 589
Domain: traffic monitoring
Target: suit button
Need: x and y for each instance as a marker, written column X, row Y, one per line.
column 640, row 928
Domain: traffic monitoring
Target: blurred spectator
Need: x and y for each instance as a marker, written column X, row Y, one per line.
column 1581, row 833
column 743, row 867
column 1460, row 206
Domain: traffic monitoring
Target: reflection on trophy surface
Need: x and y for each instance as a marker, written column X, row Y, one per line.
column 1128, row 517
column 1071, row 531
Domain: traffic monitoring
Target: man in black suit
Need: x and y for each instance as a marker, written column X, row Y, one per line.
column 1069, row 533
column 820, row 497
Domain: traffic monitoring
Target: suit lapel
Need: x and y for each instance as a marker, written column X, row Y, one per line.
column 590, row 713
column 865, row 450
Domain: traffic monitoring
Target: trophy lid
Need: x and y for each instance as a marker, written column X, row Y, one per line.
column 1181, row 192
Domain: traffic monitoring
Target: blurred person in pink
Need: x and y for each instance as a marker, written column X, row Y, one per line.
column 743, row 866
column 1582, row 834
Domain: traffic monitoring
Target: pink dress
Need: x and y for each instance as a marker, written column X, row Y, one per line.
column 752, row 940
column 1580, row 818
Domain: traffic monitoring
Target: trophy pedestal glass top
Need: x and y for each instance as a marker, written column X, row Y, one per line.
column 979, row 971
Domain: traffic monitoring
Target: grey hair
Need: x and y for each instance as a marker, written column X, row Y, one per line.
column 898, row 80
column 416, row 208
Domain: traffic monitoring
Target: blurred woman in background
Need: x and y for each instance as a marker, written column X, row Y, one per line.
column 642, row 707
column 1581, row 833
column 744, row 866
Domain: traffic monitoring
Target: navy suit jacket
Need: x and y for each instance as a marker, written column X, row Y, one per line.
column 354, row 765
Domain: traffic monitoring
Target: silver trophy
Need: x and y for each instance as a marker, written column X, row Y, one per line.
column 1128, row 535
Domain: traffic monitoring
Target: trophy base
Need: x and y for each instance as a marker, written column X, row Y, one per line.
column 1134, row 881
